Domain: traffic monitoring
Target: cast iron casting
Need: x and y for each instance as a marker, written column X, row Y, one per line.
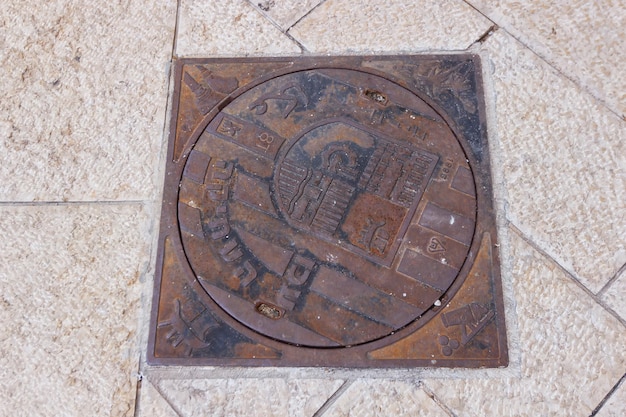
column 331, row 211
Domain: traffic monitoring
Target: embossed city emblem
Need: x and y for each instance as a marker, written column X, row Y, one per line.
column 328, row 212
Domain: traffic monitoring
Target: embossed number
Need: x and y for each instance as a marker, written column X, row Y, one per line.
column 445, row 169
column 264, row 141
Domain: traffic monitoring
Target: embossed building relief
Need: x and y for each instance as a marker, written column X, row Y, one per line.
column 328, row 212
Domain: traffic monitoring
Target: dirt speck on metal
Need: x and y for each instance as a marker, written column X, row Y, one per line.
column 328, row 212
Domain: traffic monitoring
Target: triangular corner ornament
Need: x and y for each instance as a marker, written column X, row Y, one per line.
column 328, row 211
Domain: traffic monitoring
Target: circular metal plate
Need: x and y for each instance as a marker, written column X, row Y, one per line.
column 336, row 207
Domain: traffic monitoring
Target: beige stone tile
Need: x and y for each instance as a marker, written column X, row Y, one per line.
column 616, row 405
column 228, row 28
column 152, row 404
column 572, row 349
column 616, row 294
column 195, row 398
column 245, row 397
column 69, row 308
column 285, row 12
column 585, row 39
column 376, row 397
column 564, row 161
column 83, row 92
column 306, row 396
column 339, row 26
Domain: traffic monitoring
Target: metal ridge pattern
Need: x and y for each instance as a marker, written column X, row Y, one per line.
column 328, row 211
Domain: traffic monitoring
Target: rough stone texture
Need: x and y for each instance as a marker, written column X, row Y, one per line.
column 245, row 397
column 369, row 398
column 355, row 26
column 228, row 27
column 152, row 404
column 572, row 349
column 285, row 12
column 83, row 90
column 564, row 161
column 585, row 39
column 616, row 405
column 195, row 398
column 616, row 294
column 81, row 115
column 69, row 308
column 308, row 395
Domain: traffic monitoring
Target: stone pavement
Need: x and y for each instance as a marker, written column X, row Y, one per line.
column 84, row 91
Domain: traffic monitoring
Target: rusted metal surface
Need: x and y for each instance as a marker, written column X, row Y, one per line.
column 328, row 212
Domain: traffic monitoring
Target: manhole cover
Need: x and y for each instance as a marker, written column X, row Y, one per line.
column 328, row 211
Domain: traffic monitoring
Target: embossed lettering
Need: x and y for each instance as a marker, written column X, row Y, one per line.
column 287, row 297
column 246, row 273
column 404, row 120
column 228, row 127
column 472, row 318
column 299, row 270
column 292, row 94
column 296, row 275
column 219, row 172
column 231, row 252
column 192, row 332
column 374, row 236
column 220, row 228
column 205, row 97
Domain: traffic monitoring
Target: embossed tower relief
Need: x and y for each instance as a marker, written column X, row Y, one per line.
column 328, row 212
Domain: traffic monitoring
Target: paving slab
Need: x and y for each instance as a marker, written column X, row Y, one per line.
column 616, row 293
column 369, row 398
column 243, row 397
column 285, row 12
column 152, row 403
column 563, row 158
column 373, row 26
column 572, row 349
column 228, row 28
column 84, row 95
column 81, row 115
column 616, row 403
column 69, row 310
column 584, row 39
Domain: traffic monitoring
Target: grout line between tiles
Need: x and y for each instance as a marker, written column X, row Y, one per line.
column 154, row 205
column 175, row 39
column 333, row 398
column 550, row 62
column 436, row 399
column 611, row 281
column 303, row 49
column 167, row 400
column 572, row 277
column 306, row 14
column 137, row 395
column 608, row 396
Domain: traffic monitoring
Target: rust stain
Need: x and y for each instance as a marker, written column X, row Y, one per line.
column 328, row 211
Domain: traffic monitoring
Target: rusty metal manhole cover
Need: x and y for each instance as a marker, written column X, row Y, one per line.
column 328, row 211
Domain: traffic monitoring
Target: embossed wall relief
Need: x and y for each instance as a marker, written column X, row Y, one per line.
column 328, row 212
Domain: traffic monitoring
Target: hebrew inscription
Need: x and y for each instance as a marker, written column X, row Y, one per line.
column 339, row 184
column 328, row 211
